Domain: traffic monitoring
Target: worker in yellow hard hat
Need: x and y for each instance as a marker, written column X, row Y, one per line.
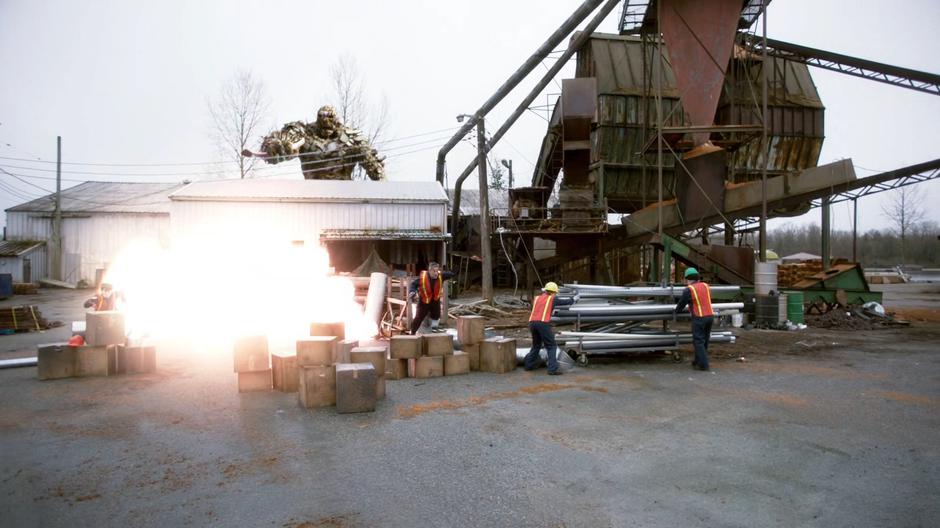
column 540, row 325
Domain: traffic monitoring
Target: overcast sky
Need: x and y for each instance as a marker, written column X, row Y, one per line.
column 127, row 82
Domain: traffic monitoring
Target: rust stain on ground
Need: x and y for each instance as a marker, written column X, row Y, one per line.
column 411, row 411
column 906, row 397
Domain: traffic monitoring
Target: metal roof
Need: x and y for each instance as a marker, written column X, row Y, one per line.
column 397, row 234
column 470, row 202
column 106, row 197
column 15, row 248
column 343, row 191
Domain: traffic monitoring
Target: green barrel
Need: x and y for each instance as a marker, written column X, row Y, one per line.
column 795, row 306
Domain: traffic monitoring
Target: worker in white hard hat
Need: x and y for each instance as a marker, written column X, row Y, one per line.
column 540, row 325
column 697, row 296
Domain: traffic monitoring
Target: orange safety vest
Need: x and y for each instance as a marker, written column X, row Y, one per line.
column 424, row 288
column 542, row 308
column 701, row 299
column 105, row 304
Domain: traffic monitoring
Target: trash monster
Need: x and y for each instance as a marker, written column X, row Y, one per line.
column 327, row 149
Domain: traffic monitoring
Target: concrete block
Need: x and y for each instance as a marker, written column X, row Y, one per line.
column 316, row 351
column 104, row 328
column 251, row 354
column 355, row 387
column 474, row 352
column 92, row 360
column 457, row 363
column 254, row 381
column 55, row 361
column 137, row 359
column 438, row 344
column 374, row 355
column 335, row 329
column 405, row 347
column 317, row 387
column 498, row 355
column 396, row 369
column 284, row 370
column 343, row 348
column 470, row 329
column 426, row 367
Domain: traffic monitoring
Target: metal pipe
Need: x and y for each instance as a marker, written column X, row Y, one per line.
column 553, row 40
column 608, row 335
column 643, row 309
column 762, row 242
column 573, row 47
column 591, row 291
column 19, row 362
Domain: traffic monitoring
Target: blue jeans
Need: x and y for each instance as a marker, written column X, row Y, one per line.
column 701, row 332
column 542, row 335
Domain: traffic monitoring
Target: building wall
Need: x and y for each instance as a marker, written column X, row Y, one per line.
column 14, row 265
column 89, row 242
column 298, row 221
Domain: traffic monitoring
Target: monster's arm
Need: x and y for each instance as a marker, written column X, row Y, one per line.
column 368, row 157
column 282, row 145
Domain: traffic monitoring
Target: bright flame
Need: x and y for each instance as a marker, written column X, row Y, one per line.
column 217, row 289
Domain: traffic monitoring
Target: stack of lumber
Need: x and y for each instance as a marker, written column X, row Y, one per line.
column 25, row 318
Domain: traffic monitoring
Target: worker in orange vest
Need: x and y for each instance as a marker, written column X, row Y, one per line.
column 426, row 292
column 540, row 326
column 697, row 296
column 106, row 299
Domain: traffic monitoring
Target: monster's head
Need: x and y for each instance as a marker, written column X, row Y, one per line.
column 327, row 123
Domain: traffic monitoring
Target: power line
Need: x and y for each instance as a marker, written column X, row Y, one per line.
column 178, row 164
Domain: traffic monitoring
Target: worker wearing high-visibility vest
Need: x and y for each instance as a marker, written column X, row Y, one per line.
column 426, row 293
column 540, row 325
column 106, row 299
column 697, row 296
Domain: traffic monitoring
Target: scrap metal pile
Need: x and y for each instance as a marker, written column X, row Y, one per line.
column 610, row 319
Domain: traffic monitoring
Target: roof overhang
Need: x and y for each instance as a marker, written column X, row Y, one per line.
column 409, row 235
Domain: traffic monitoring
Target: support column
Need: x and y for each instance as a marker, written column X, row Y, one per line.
column 855, row 230
column 486, row 245
column 826, row 229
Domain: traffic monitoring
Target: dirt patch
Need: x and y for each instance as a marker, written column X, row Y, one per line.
column 336, row 521
column 411, row 411
column 805, row 369
column 919, row 315
column 906, row 397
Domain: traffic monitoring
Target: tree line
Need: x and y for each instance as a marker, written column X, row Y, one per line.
column 877, row 248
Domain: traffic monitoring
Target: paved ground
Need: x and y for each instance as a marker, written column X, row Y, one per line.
column 816, row 429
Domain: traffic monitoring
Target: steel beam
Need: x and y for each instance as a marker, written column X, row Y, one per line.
column 876, row 71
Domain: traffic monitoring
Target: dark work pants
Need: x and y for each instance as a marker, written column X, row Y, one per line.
column 542, row 335
column 701, row 332
column 433, row 308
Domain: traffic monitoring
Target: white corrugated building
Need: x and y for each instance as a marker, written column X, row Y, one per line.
column 405, row 222
column 24, row 260
column 98, row 219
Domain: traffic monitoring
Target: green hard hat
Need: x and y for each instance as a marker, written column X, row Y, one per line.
column 690, row 271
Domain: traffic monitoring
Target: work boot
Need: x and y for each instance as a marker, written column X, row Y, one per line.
column 555, row 373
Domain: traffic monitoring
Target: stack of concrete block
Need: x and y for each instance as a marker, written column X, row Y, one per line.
column 376, row 357
column 317, row 376
column 356, row 387
column 434, row 348
column 401, row 350
column 253, row 364
column 498, row 355
column 470, row 333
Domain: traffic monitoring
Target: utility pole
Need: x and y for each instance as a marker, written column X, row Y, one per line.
column 57, row 215
column 765, row 154
column 508, row 164
column 485, row 247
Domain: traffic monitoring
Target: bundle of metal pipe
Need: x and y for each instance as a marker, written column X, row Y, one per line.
column 598, row 291
column 651, row 343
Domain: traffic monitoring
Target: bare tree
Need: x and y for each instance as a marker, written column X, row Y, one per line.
column 905, row 209
column 353, row 105
column 237, row 114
